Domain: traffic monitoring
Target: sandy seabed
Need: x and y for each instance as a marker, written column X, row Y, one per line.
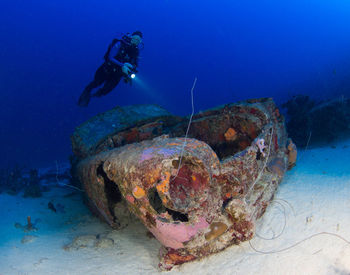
column 314, row 197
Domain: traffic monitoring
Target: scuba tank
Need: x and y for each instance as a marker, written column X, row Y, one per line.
column 110, row 46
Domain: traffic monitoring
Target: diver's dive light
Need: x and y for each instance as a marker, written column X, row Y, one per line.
column 132, row 76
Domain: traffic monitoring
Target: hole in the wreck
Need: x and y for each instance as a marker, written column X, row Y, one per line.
column 112, row 191
column 226, row 136
column 225, row 203
column 258, row 155
column 155, row 201
column 177, row 216
column 157, row 205
column 226, row 149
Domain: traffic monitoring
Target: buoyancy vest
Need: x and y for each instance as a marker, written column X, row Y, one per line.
column 126, row 53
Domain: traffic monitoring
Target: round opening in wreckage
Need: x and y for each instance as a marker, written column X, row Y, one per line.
column 196, row 195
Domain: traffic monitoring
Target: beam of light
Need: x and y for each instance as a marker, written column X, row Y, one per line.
column 148, row 90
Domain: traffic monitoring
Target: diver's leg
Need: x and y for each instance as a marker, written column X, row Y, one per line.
column 100, row 77
column 109, row 85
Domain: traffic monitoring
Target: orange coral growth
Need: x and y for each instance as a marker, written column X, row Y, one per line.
column 138, row 192
column 164, row 200
column 174, row 144
column 230, row 135
column 163, row 187
column 174, row 258
column 151, row 178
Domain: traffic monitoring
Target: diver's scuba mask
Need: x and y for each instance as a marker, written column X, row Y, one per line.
column 127, row 38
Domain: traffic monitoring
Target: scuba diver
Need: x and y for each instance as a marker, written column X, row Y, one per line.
column 121, row 61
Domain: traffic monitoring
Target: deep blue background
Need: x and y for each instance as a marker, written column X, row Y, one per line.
column 242, row 49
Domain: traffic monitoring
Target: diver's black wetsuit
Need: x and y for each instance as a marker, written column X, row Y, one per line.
column 109, row 75
column 110, row 72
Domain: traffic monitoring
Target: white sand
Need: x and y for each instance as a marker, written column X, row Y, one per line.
column 318, row 189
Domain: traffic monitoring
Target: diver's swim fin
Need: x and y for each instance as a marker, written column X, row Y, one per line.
column 84, row 99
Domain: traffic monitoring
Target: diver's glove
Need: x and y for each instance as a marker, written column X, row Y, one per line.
column 127, row 67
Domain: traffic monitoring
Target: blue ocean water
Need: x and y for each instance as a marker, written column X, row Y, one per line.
column 238, row 49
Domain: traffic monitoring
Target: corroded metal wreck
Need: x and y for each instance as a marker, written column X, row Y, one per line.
column 197, row 195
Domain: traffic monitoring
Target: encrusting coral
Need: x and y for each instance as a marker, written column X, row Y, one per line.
column 198, row 194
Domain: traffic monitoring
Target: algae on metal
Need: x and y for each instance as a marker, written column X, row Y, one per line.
column 199, row 194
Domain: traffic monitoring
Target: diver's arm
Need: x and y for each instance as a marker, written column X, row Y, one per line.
column 113, row 53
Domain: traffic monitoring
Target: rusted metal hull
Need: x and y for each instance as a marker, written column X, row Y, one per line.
column 200, row 194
